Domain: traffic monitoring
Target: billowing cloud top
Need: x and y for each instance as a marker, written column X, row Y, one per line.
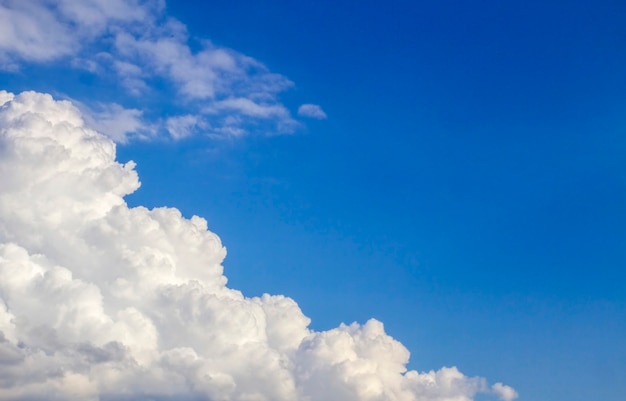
column 99, row 301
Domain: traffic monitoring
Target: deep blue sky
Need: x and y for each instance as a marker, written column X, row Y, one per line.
column 468, row 188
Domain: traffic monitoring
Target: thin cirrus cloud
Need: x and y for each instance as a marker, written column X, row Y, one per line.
column 134, row 45
column 101, row 301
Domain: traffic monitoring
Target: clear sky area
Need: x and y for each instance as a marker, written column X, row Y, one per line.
column 454, row 170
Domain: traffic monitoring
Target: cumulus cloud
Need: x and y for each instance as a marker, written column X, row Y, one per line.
column 100, row 301
column 504, row 392
column 311, row 111
column 134, row 45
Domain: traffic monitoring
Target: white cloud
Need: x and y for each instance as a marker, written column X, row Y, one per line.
column 130, row 75
column 31, row 31
column 95, row 15
column 250, row 108
column 133, row 44
column 40, row 30
column 196, row 75
column 115, row 121
column 312, row 111
column 504, row 392
column 181, row 127
column 100, row 301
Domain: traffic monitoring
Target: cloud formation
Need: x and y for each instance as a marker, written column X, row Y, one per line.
column 311, row 111
column 99, row 301
column 134, row 46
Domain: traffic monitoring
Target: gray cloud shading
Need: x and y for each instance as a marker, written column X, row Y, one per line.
column 100, row 301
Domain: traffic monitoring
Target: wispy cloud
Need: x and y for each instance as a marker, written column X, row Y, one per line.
column 311, row 111
column 181, row 127
column 119, row 123
column 40, row 30
column 134, row 45
column 32, row 32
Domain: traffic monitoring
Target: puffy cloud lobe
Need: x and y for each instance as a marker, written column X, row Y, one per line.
column 99, row 301
column 504, row 392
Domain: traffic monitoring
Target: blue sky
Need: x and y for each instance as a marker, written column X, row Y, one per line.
column 467, row 187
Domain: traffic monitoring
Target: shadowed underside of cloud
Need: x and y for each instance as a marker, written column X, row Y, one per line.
column 99, row 301
column 135, row 46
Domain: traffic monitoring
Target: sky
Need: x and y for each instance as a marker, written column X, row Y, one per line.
column 452, row 171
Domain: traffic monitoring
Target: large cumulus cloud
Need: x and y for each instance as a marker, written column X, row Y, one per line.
column 99, row 301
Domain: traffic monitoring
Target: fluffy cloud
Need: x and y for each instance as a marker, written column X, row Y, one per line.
column 133, row 45
column 504, row 392
column 99, row 301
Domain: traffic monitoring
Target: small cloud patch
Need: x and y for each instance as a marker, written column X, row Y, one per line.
column 312, row 111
